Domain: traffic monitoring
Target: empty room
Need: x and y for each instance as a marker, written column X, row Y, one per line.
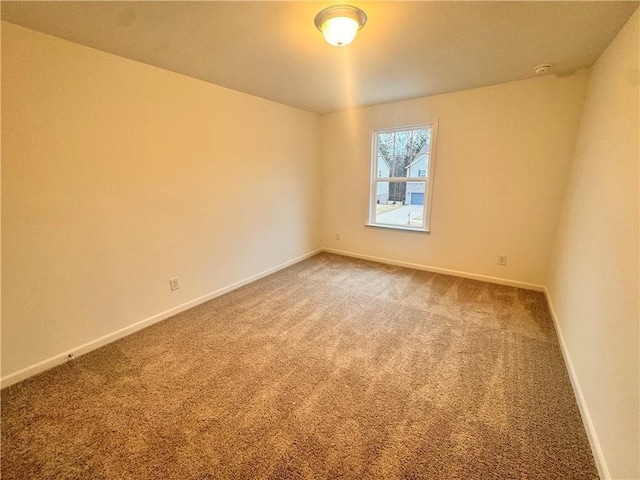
column 320, row 240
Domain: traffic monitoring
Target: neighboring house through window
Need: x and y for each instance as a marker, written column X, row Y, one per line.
column 402, row 167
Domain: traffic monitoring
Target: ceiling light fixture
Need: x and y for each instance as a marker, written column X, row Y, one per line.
column 340, row 24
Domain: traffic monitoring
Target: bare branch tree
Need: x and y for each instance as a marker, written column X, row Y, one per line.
column 399, row 150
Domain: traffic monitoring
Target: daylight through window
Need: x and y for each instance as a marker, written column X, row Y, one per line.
column 402, row 177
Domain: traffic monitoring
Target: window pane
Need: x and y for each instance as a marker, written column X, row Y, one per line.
column 419, row 166
column 400, row 203
column 401, row 166
column 402, row 154
column 383, row 167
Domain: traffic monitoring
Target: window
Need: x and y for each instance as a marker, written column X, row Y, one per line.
column 402, row 166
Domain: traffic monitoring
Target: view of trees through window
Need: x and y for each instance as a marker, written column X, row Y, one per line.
column 401, row 160
column 398, row 150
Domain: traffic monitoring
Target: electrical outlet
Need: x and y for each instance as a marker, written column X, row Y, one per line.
column 502, row 259
column 175, row 283
column 337, row 236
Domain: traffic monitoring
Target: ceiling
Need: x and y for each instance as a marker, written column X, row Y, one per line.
column 273, row 50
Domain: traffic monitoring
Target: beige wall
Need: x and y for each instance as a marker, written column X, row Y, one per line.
column 502, row 159
column 593, row 280
column 117, row 176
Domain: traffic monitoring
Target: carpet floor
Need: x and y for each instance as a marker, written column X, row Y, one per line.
column 332, row 368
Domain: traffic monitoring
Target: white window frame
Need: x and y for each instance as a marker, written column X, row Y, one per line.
column 428, row 180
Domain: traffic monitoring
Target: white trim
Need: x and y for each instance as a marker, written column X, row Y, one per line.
column 397, row 227
column 123, row 332
column 431, row 171
column 445, row 271
column 594, row 442
column 428, row 181
column 402, row 179
column 596, row 449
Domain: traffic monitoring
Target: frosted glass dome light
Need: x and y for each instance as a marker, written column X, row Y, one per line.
column 340, row 24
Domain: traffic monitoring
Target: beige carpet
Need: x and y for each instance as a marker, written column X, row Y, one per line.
column 332, row 368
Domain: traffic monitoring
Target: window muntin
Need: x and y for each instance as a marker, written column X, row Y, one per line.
column 402, row 175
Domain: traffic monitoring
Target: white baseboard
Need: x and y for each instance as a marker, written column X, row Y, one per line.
column 128, row 330
column 596, row 449
column 455, row 273
column 111, row 337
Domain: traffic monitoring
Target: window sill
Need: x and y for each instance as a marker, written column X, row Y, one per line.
column 397, row 227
